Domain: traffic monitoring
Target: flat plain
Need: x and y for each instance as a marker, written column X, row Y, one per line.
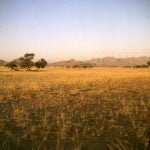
column 75, row 109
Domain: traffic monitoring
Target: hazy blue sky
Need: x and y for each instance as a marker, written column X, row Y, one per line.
column 80, row 29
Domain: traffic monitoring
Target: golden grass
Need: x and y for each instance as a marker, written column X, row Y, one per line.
column 75, row 109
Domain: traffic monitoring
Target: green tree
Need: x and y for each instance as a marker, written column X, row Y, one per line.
column 26, row 61
column 12, row 65
column 41, row 63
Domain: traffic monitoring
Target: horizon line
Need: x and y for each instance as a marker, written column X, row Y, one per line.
column 71, row 58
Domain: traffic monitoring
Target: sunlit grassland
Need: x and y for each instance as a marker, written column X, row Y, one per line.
column 75, row 109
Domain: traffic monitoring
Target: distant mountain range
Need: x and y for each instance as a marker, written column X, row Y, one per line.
column 71, row 63
column 99, row 62
column 105, row 62
column 2, row 62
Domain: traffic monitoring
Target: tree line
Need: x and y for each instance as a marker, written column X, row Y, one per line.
column 26, row 62
column 139, row 66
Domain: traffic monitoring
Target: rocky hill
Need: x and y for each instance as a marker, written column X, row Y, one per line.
column 105, row 62
column 2, row 62
column 69, row 63
column 119, row 62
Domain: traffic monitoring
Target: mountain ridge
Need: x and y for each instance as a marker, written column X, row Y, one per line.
column 104, row 62
column 108, row 61
column 2, row 62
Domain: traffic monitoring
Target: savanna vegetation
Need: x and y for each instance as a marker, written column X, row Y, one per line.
column 26, row 62
column 75, row 109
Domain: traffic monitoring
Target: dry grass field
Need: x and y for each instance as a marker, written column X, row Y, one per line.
column 75, row 109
